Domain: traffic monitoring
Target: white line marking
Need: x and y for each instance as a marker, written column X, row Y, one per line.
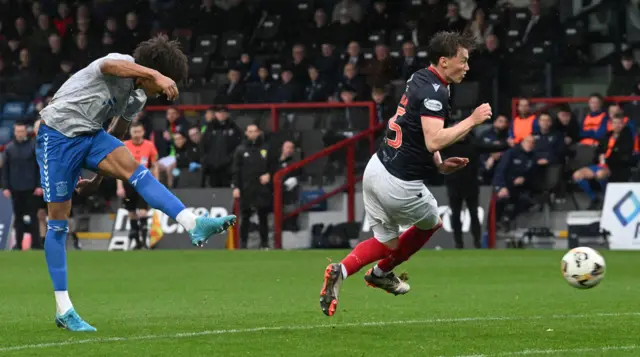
column 337, row 325
column 553, row 351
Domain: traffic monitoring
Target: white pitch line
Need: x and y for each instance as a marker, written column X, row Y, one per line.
column 553, row 351
column 313, row 327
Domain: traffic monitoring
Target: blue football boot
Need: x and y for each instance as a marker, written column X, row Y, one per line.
column 73, row 322
column 208, row 226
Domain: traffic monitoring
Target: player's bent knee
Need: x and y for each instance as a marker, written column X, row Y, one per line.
column 429, row 222
column 59, row 210
column 119, row 164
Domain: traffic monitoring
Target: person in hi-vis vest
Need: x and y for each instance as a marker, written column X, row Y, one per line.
column 594, row 125
column 523, row 125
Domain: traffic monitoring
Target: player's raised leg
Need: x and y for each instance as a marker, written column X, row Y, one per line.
column 111, row 158
column 60, row 159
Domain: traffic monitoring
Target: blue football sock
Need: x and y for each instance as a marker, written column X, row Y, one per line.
column 155, row 193
column 586, row 187
column 55, row 253
column 603, row 184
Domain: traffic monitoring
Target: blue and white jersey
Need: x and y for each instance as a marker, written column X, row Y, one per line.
column 89, row 98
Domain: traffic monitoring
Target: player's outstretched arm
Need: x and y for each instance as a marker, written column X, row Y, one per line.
column 437, row 137
column 126, row 69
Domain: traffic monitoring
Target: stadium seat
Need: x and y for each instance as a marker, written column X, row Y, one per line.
column 232, row 45
column 397, row 38
column 31, row 108
column 5, row 135
column 44, row 89
column 13, row 110
column 367, row 53
column 311, row 142
column 198, row 64
column 574, row 36
column 376, row 37
column 519, row 19
column 206, row 44
column 512, row 40
column 269, row 28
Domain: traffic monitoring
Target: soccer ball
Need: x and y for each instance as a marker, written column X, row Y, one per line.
column 583, row 267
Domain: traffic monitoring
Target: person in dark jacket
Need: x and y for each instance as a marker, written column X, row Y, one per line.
column 497, row 135
column 290, row 182
column 512, row 180
column 220, row 140
column 21, row 182
column 549, row 155
column 613, row 160
column 317, row 89
column 567, row 124
column 464, row 185
column 252, row 184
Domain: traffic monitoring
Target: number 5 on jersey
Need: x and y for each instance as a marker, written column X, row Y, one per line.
column 393, row 126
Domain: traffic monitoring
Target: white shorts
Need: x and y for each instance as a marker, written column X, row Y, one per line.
column 167, row 161
column 390, row 202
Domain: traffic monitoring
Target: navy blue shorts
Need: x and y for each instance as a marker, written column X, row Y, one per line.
column 61, row 158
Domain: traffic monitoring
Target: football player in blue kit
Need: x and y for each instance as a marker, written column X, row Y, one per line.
column 71, row 137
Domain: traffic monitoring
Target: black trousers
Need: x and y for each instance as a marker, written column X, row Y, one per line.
column 456, row 198
column 519, row 200
column 25, row 213
column 263, row 226
column 220, row 177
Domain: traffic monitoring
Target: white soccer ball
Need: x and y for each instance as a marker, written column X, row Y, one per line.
column 583, row 267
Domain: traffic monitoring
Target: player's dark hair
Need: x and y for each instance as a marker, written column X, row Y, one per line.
column 446, row 44
column 164, row 56
column 597, row 95
column 137, row 124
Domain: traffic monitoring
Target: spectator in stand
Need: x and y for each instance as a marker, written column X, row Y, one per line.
column 221, row 137
column 549, row 155
column 328, row 63
column 21, row 182
column 616, row 111
column 299, row 65
column 594, row 125
column 347, row 30
column 352, row 118
column 453, row 21
column 409, row 63
column 320, row 31
column 614, row 157
column 36, row 11
column 539, row 27
column 232, row 92
column 186, row 157
column 349, row 8
column 385, row 105
column 25, row 82
column 498, row 135
column 50, row 62
column 353, row 56
column 290, row 183
column 412, row 32
column 39, row 39
column 260, row 91
column 379, row 18
column 351, row 78
column 111, row 36
column 567, row 124
column 381, row 69
column 287, row 91
column 626, row 74
column 317, row 90
column 248, row 68
column 63, row 22
column 64, row 72
column 524, row 124
column 82, row 54
column 479, row 26
column 133, row 34
column 21, row 31
column 163, row 140
column 251, row 184
column 6, row 72
column 486, row 68
column 195, row 135
column 513, row 180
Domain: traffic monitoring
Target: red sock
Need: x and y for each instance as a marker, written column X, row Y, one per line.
column 411, row 241
column 366, row 252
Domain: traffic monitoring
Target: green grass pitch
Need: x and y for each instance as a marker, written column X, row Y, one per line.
column 246, row 303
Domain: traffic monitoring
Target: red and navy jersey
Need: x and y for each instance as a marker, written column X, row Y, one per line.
column 403, row 151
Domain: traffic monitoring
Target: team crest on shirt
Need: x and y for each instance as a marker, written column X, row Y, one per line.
column 263, row 152
column 433, row 104
column 61, row 189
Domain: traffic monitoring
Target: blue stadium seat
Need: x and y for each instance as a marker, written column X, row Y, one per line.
column 31, row 108
column 13, row 110
column 5, row 135
column 44, row 89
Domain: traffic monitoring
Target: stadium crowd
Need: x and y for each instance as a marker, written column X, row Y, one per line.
column 321, row 51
